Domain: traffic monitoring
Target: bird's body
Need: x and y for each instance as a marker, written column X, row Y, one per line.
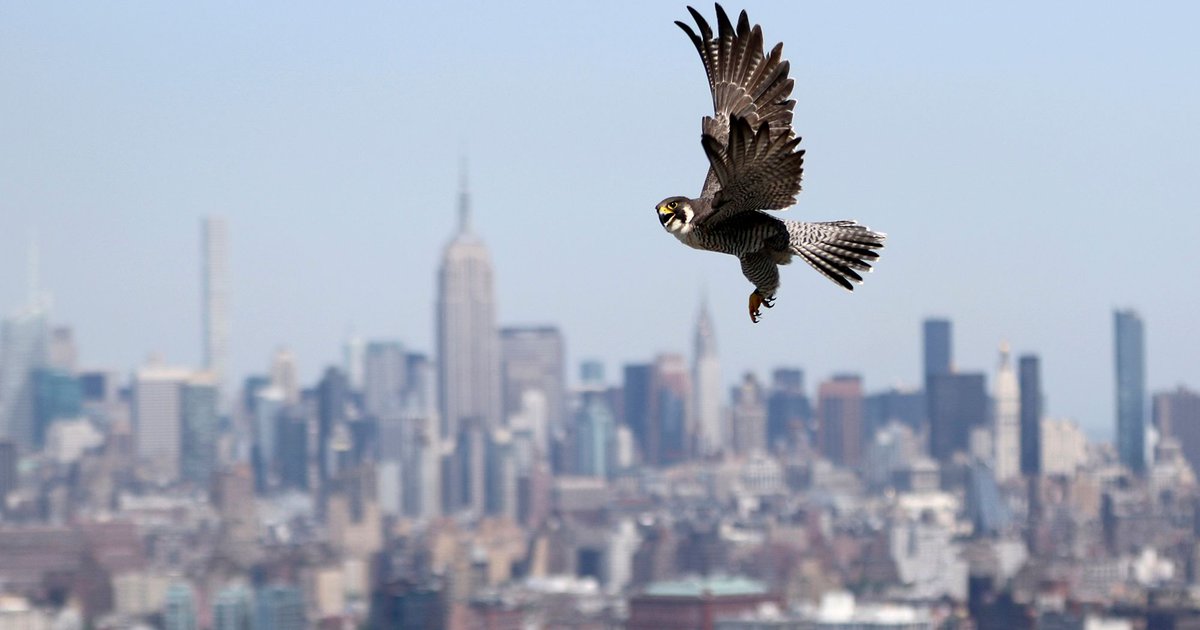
column 756, row 166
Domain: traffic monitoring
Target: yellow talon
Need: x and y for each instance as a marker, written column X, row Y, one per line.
column 755, row 302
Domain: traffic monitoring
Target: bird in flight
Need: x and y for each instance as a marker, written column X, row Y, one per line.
column 755, row 165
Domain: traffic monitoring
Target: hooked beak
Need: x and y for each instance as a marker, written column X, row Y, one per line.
column 664, row 215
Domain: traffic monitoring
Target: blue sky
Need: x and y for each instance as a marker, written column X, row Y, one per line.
column 1034, row 165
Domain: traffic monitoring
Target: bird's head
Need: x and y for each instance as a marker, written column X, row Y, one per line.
column 675, row 214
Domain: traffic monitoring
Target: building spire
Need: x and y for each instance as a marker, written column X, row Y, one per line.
column 464, row 198
column 705, row 341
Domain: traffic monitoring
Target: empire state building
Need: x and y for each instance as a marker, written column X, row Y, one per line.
column 468, row 356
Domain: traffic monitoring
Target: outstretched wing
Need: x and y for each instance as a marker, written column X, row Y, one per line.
column 754, row 170
column 744, row 81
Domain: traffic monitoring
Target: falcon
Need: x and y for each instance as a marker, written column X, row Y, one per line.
column 755, row 164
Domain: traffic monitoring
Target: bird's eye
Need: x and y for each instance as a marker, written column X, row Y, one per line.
column 672, row 205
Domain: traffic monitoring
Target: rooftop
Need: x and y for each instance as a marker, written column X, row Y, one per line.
column 716, row 585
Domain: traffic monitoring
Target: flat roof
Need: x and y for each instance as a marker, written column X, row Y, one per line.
column 715, row 585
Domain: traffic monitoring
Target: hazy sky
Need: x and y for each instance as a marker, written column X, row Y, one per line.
column 1034, row 164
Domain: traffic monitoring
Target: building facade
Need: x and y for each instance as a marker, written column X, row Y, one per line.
column 706, row 376
column 1130, row 359
column 1030, row 385
column 468, row 353
column 214, row 252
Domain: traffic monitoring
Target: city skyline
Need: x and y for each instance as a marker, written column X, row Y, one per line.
column 304, row 141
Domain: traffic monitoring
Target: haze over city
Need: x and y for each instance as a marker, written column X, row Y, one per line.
column 1033, row 165
column 348, row 317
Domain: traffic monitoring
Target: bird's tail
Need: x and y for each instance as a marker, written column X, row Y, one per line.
column 837, row 249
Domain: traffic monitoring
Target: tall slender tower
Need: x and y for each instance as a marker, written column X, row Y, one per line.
column 1029, row 374
column 1130, row 357
column 23, row 348
column 215, row 283
column 706, row 376
column 1007, row 438
column 468, row 357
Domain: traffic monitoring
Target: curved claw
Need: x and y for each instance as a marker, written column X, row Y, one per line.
column 768, row 302
column 756, row 301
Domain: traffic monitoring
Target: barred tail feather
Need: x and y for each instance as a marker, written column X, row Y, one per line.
column 837, row 249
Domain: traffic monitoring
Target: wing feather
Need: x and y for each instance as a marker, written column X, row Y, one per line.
column 754, row 170
column 744, row 81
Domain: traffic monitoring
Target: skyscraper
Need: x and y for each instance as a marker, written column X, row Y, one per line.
column 61, row 352
column 532, row 360
column 789, row 413
column 957, row 404
column 1007, row 417
column 668, row 431
column 157, row 417
column 332, row 396
column 939, row 348
column 22, row 350
column 706, row 377
column 637, row 403
column 8, row 471
column 291, row 450
column 469, row 361
column 501, row 482
column 353, row 357
column 283, row 375
column 384, row 381
column 594, row 435
column 198, row 427
column 749, row 416
column 1130, row 351
column 215, row 299
column 1029, row 375
column 57, row 395
column 1177, row 415
column 840, row 419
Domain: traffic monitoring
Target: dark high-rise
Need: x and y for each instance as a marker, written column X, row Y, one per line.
column 938, row 345
column 8, row 470
column 788, row 409
column 332, row 395
column 291, row 450
column 937, row 361
column 1130, row 354
column 840, row 413
column 1177, row 415
column 1029, row 378
column 656, row 398
column 957, row 404
column 637, row 395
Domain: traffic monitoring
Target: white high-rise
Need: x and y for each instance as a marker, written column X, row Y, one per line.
column 1007, row 440
column 157, row 417
column 215, row 286
column 284, row 377
column 468, row 352
column 706, row 376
